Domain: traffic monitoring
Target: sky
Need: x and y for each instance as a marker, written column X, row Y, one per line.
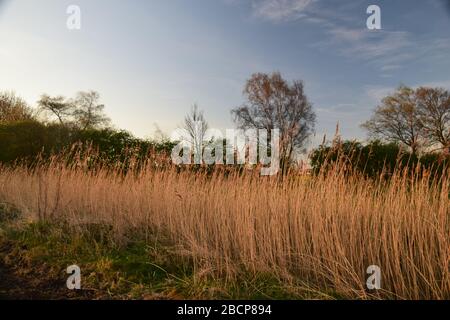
column 152, row 60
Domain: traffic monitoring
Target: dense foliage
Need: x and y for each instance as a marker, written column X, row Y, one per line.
column 375, row 159
column 27, row 139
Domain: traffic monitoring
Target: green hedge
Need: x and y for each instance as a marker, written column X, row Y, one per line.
column 375, row 158
column 26, row 140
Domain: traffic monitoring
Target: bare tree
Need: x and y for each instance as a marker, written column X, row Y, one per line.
column 433, row 106
column 196, row 126
column 57, row 106
column 273, row 103
column 88, row 111
column 13, row 108
column 397, row 120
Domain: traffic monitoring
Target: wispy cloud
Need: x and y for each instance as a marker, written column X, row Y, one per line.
column 390, row 67
column 437, row 84
column 388, row 47
column 341, row 108
column 369, row 45
column 388, row 50
column 377, row 93
column 281, row 10
column 341, row 30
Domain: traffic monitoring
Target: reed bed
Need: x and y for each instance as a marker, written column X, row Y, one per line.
column 320, row 232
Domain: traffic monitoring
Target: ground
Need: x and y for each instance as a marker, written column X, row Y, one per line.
column 34, row 257
column 18, row 282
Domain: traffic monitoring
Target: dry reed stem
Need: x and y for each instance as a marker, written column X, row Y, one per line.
column 324, row 231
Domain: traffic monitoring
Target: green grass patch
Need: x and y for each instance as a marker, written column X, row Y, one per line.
column 138, row 269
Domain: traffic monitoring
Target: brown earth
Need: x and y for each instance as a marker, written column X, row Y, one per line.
column 22, row 280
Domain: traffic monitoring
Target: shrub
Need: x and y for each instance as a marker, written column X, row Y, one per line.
column 27, row 140
column 375, row 159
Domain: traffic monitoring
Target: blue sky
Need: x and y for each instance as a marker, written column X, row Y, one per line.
column 152, row 60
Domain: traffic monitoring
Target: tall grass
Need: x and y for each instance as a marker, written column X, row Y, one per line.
column 319, row 232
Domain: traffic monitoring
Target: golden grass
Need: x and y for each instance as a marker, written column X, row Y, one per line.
column 323, row 232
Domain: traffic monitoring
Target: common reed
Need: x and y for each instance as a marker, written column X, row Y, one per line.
column 321, row 231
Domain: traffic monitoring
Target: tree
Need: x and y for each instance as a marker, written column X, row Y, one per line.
column 433, row 106
column 397, row 119
column 21, row 139
column 375, row 159
column 58, row 106
column 273, row 103
column 88, row 111
column 196, row 126
column 13, row 108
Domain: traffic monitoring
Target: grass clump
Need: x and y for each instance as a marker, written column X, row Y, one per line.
column 139, row 269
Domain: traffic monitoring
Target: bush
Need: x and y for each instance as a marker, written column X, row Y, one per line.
column 19, row 140
column 375, row 159
column 27, row 140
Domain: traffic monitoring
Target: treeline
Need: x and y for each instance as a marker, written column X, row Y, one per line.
column 59, row 123
column 410, row 131
column 411, row 128
column 377, row 160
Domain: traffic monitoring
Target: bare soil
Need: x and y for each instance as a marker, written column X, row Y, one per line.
column 23, row 281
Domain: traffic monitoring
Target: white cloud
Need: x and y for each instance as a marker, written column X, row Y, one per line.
column 386, row 50
column 280, row 10
column 377, row 93
column 339, row 109
column 436, row 84
column 347, row 34
column 368, row 45
column 390, row 67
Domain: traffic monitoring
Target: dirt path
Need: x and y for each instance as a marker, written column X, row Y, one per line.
column 18, row 283
column 13, row 287
column 32, row 282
